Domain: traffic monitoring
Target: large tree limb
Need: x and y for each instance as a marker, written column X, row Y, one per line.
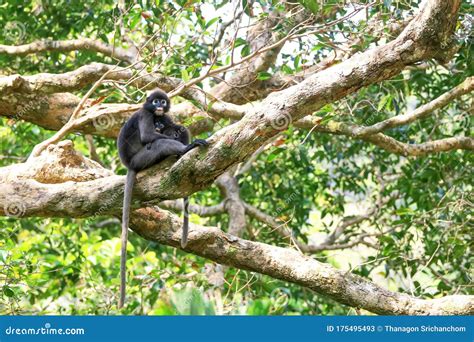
column 372, row 133
column 230, row 190
column 59, row 83
column 292, row 266
column 375, row 26
column 72, row 120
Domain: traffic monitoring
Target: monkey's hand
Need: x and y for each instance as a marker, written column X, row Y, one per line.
column 194, row 144
column 200, row 142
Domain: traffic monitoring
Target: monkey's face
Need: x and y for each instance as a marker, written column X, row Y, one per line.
column 158, row 103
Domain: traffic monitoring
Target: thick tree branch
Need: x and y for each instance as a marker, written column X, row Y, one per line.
column 375, row 26
column 59, row 83
column 27, row 97
column 372, row 133
column 72, row 120
column 292, row 266
column 119, row 53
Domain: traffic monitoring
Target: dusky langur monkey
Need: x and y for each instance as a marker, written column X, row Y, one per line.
column 147, row 138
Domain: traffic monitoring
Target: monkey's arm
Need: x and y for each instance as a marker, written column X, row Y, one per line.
column 146, row 127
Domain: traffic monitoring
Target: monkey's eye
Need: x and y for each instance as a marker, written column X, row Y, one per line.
column 155, row 101
column 163, row 102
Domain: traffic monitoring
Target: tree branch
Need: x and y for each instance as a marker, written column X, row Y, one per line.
column 421, row 112
column 70, row 45
column 59, row 83
column 234, row 206
column 177, row 205
column 292, row 266
column 387, row 143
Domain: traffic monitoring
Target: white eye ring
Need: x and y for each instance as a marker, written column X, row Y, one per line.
column 163, row 102
column 155, row 101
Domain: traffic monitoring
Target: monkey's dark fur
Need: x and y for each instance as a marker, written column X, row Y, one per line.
column 147, row 138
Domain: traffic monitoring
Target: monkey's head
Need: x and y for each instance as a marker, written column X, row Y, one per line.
column 157, row 103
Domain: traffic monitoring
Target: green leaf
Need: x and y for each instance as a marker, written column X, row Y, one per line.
column 263, row 75
column 212, row 21
column 286, row 69
column 404, row 211
column 8, row 291
column 245, row 51
column 239, row 42
column 185, row 75
column 310, row 5
column 297, row 61
column 383, row 102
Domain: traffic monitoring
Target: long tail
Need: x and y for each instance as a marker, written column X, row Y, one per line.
column 127, row 199
column 184, row 237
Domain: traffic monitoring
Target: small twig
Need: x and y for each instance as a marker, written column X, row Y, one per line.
column 92, row 151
